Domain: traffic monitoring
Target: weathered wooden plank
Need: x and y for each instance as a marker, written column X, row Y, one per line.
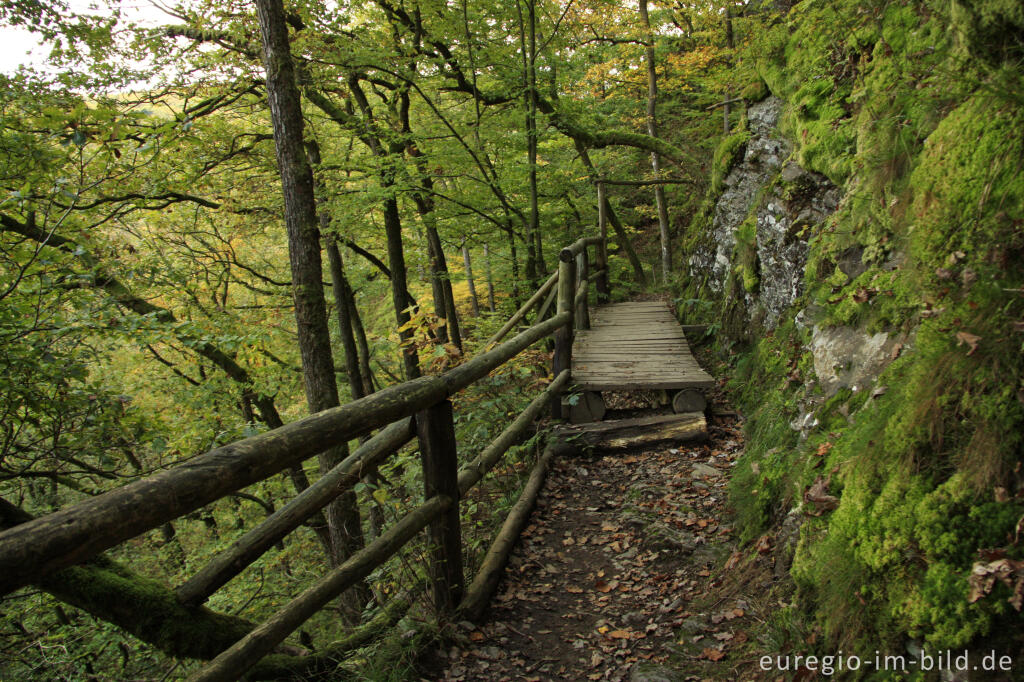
column 617, row 385
column 645, row 431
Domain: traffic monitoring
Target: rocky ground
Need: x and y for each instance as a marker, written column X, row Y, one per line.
column 628, row 570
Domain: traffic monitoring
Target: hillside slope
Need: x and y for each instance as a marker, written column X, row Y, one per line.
column 864, row 236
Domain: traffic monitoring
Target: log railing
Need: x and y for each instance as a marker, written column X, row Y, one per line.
column 39, row 547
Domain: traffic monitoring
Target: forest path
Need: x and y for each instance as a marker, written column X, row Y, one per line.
column 616, row 573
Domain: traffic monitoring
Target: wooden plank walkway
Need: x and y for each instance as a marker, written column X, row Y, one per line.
column 635, row 345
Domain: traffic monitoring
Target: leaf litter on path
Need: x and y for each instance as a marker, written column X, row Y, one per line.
column 614, row 571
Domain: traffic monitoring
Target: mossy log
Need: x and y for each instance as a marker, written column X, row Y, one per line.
column 139, row 605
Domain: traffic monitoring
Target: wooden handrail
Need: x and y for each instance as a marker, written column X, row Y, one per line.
column 246, row 652
column 577, row 246
column 251, row 546
column 40, row 546
column 475, row 470
column 74, row 534
column 525, row 308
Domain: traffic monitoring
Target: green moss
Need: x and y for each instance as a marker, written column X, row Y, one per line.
column 755, row 91
column 929, row 149
column 727, row 154
column 992, row 30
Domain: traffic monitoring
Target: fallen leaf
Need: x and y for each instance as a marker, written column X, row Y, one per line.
column 573, row 589
column 970, row 339
column 1000, row 494
column 824, row 448
column 818, row 494
column 1007, row 571
column 620, row 634
column 895, row 351
column 733, row 561
column 712, row 654
column 943, row 273
column 764, row 544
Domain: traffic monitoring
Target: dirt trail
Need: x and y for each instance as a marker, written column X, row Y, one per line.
column 614, row 577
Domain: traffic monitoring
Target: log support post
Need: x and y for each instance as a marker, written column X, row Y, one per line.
column 582, row 314
column 563, row 335
column 601, row 252
column 435, row 429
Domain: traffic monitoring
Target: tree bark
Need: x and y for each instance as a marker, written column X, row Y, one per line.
column 490, row 278
column 652, row 130
column 613, row 218
column 307, row 269
column 474, row 303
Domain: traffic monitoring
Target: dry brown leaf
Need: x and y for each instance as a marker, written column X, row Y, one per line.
column 712, row 654
column 895, row 351
column 970, row 339
column 818, row 494
column 733, row 561
column 764, row 544
column 1007, row 571
column 476, row 636
column 573, row 589
column 620, row 634
column 1001, row 494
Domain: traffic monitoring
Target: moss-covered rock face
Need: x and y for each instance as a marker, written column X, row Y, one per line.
column 899, row 366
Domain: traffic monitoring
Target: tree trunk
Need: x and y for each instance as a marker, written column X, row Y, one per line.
column 490, row 278
column 729, row 43
column 451, row 315
column 613, row 218
column 474, row 303
column 652, row 130
column 516, row 295
column 301, row 221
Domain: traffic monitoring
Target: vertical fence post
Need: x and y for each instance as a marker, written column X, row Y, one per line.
column 582, row 271
column 563, row 335
column 435, row 428
column 601, row 254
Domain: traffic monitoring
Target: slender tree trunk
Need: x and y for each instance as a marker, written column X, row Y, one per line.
column 516, row 296
column 474, row 303
column 306, row 267
column 652, row 130
column 729, row 43
column 490, row 278
column 613, row 218
column 362, row 346
column 531, row 93
column 451, row 314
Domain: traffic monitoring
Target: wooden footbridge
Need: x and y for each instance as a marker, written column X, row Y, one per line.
column 615, row 347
